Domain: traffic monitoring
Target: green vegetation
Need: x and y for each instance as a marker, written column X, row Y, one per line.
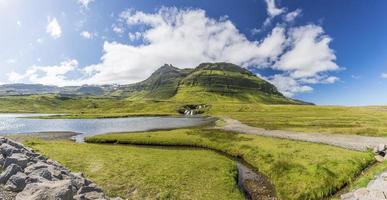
column 368, row 175
column 371, row 121
column 87, row 106
column 299, row 170
column 148, row 173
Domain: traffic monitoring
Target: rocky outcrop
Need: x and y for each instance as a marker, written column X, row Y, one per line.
column 375, row 190
column 31, row 176
column 381, row 152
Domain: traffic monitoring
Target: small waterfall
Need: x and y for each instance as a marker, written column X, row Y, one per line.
column 188, row 112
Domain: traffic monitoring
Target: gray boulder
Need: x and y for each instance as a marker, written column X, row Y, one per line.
column 8, row 150
column 17, row 182
column 18, row 159
column 41, row 173
column 79, row 181
column 15, row 144
column 50, row 190
column 44, row 169
column 381, row 147
column 35, row 166
column 9, row 171
column 2, row 160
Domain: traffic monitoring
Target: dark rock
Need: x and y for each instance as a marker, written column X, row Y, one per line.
column 8, row 150
column 43, row 172
column 18, row 159
column 9, row 171
column 17, row 182
column 15, row 144
column 2, row 160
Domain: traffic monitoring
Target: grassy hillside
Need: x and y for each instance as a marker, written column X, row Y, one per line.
column 299, row 170
column 216, row 81
column 148, row 173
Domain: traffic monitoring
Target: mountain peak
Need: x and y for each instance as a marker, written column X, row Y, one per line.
column 224, row 66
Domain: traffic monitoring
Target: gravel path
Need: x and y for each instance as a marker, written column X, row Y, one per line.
column 353, row 142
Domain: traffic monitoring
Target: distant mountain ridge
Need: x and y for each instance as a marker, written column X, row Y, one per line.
column 36, row 89
column 207, row 82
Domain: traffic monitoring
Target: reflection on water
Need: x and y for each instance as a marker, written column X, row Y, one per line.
column 13, row 124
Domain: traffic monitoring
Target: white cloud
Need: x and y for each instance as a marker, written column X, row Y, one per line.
column 118, row 29
column 135, row 36
column 309, row 52
column 290, row 17
column 86, row 34
column 53, row 28
column 383, row 75
column 187, row 37
column 288, row 85
column 331, row 79
column 18, row 23
column 49, row 75
column 272, row 9
column 85, row 3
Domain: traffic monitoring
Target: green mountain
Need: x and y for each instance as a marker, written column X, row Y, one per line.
column 208, row 82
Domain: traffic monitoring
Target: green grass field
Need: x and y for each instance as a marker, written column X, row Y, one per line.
column 370, row 121
column 148, row 173
column 299, row 170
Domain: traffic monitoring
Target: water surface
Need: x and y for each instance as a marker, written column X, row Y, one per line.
column 14, row 124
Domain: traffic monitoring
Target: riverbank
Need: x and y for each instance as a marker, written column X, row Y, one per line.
column 48, row 136
column 299, row 170
column 148, row 173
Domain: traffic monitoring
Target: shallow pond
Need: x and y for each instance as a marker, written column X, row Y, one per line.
column 15, row 123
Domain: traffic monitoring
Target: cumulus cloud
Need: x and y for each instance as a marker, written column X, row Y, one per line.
column 272, row 9
column 288, row 85
column 309, row 52
column 85, row 3
column 56, row 75
column 187, row 37
column 53, row 28
column 384, row 75
column 290, row 17
column 86, row 34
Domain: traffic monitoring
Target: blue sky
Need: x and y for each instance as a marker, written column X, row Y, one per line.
column 327, row 52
